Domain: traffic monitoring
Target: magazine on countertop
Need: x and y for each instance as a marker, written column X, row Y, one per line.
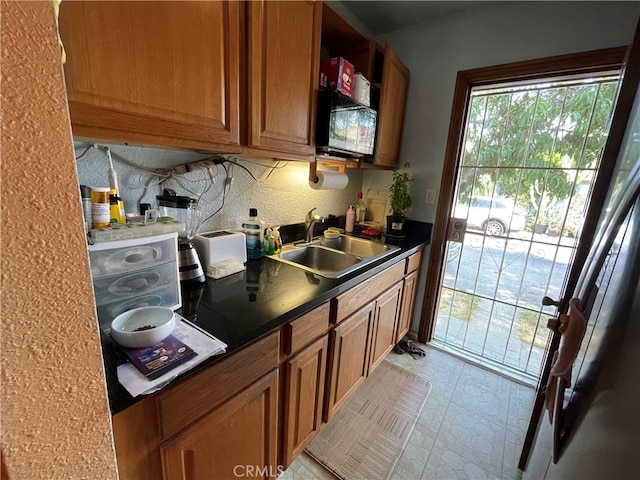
column 158, row 359
column 203, row 345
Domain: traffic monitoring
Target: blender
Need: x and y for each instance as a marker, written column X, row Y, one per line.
column 185, row 210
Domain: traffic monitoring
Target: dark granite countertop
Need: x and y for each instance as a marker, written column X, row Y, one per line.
column 240, row 308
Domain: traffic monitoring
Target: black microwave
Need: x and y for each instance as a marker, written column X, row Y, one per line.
column 344, row 127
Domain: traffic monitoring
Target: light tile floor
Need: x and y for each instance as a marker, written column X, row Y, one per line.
column 471, row 427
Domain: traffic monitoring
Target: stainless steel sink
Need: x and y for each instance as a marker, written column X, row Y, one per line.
column 333, row 258
column 355, row 246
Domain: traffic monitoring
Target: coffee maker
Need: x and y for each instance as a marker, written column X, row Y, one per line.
column 185, row 210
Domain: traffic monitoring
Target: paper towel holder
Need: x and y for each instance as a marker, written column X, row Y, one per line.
column 341, row 168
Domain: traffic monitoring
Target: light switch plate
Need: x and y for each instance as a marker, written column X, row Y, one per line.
column 430, row 198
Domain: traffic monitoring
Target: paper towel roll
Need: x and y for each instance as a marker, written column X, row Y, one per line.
column 330, row 181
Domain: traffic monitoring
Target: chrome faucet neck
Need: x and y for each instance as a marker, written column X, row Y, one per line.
column 309, row 223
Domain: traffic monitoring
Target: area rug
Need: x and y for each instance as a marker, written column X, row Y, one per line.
column 365, row 439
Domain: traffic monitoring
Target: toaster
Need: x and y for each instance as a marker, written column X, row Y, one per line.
column 220, row 245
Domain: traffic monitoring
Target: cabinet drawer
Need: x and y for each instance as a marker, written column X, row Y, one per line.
column 351, row 300
column 303, row 330
column 122, row 256
column 124, row 287
column 191, row 399
column 166, row 297
column 413, row 262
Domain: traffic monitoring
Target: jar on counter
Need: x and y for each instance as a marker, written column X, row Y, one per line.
column 100, row 208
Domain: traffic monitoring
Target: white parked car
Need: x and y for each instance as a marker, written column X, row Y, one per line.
column 494, row 216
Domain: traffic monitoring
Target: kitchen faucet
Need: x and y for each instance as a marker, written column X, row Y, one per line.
column 309, row 222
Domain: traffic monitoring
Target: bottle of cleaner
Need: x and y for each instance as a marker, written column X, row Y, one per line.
column 351, row 218
column 253, row 229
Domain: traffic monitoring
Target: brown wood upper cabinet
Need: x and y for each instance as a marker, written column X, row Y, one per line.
column 229, row 77
column 284, row 56
column 393, row 98
column 154, row 73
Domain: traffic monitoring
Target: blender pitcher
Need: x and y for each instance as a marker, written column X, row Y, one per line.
column 185, row 210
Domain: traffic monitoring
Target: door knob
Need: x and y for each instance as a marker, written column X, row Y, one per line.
column 546, row 301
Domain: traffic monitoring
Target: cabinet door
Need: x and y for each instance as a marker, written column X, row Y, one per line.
column 154, row 73
column 386, row 320
column 348, row 366
column 284, row 53
column 239, row 435
column 137, row 439
column 306, row 375
column 393, row 99
column 408, row 301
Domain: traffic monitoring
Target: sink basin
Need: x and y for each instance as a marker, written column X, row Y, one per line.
column 333, row 258
column 356, row 246
column 318, row 258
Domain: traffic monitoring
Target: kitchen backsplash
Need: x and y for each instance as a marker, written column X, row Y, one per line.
column 281, row 194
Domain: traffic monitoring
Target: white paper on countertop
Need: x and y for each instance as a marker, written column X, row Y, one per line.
column 202, row 343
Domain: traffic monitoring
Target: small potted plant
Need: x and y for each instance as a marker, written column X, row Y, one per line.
column 400, row 203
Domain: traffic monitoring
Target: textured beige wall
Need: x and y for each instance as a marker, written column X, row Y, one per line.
column 55, row 420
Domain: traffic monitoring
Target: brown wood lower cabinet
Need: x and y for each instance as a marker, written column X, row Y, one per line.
column 385, row 322
column 250, row 414
column 238, row 439
column 409, row 294
column 304, row 394
column 349, row 355
column 408, row 300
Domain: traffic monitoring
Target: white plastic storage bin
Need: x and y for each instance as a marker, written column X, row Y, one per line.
column 117, row 288
column 121, row 256
column 166, row 297
column 134, row 273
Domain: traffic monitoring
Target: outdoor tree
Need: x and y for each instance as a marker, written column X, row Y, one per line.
column 536, row 144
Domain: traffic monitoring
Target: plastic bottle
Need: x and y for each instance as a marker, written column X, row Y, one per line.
column 85, row 193
column 361, row 209
column 351, row 217
column 116, row 207
column 100, row 207
column 253, row 229
column 277, row 240
column 269, row 243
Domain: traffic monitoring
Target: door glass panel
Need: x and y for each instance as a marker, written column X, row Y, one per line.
column 530, row 158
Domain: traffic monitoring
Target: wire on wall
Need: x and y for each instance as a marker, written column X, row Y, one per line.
column 190, row 176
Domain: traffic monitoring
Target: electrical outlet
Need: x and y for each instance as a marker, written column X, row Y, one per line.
column 189, row 167
column 200, row 164
column 430, row 198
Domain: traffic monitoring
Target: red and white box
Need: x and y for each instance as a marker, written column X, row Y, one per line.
column 339, row 74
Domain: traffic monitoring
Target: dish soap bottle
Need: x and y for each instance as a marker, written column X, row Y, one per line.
column 253, row 229
column 277, row 240
column 351, row 217
column 269, row 242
